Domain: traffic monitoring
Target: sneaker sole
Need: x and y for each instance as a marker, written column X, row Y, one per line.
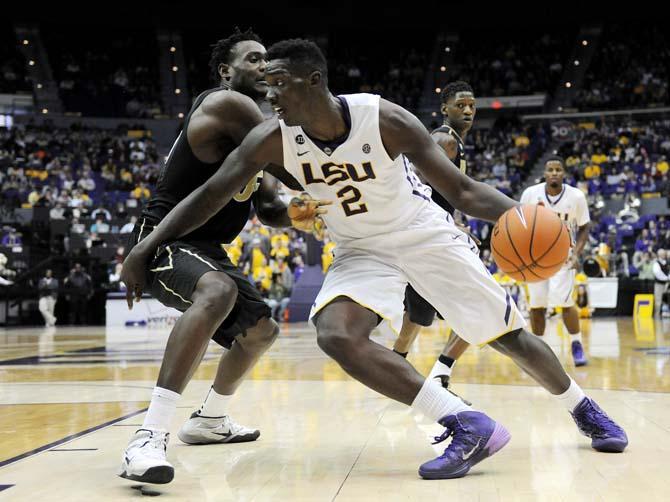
column 610, row 446
column 246, row 438
column 156, row 475
column 499, row 438
column 581, row 363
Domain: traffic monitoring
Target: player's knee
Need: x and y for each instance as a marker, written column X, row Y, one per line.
column 334, row 341
column 216, row 295
column 516, row 344
column 261, row 336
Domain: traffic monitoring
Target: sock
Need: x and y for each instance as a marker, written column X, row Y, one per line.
column 215, row 404
column 401, row 354
column 446, row 360
column 435, row 402
column 571, row 397
column 577, row 337
column 161, row 409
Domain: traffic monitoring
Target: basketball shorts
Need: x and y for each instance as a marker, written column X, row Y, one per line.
column 554, row 292
column 419, row 310
column 176, row 268
column 443, row 266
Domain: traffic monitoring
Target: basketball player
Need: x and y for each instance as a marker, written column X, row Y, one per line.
column 194, row 275
column 356, row 149
column 458, row 109
column 570, row 204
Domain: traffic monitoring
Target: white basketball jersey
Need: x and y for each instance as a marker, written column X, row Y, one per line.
column 570, row 204
column 371, row 193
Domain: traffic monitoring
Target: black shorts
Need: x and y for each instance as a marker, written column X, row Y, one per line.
column 420, row 311
column 176, row 269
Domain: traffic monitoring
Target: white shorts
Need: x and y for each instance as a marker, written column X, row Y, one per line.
column 442, row 264
column 554, row 292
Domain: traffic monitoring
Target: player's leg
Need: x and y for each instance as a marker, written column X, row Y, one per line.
column 408, row 334
column 343, row 330
column 418, row 313
column 453, row 350
column 212, row 423
column 561, row 289
column 482, row 308
column 538, row 295
column 192, row 282
column 247, row 332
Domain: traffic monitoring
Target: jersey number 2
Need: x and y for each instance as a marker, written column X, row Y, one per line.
column 349, row 203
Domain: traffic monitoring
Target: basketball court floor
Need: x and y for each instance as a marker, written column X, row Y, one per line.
column 71, row 397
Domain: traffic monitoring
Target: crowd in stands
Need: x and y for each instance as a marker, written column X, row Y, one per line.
column 630, row 69
column 107, row 76
column 524, row 62
column 90, row 181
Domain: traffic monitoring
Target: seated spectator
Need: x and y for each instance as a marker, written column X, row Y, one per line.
column 12, row 238
column 57, row 212
column 100, row 227
column 141, row 192
column 128, row 227
column 101, row 212
column 278, row 298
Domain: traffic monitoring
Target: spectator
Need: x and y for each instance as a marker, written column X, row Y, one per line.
column 101, row 212
column 278, row 298
column 79, row 291
column 12, row 239
column 128, row 227
column 100, row 227
column 48, row 292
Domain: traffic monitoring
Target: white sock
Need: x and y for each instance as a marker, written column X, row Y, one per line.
column 435, row 402
column 439, row 368
column 577, row 337
column 215, row 404
column 571, row 397
column 161, row 409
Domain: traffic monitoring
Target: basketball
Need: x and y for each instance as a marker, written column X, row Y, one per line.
column 530, row 243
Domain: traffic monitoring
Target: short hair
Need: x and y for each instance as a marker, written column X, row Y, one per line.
column 555, row 158
column 222, row 51
column 302, row 54
column 452, row 88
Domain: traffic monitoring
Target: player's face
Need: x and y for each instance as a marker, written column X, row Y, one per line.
column 287, row 93
column 554, row 173
column 460, row 110
column 247, row 69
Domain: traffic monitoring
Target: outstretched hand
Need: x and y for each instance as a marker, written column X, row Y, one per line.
column 305, row 214
column 133, row 275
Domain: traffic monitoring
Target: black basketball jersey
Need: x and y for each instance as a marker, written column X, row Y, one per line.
column 459, row 161
column 182, row 173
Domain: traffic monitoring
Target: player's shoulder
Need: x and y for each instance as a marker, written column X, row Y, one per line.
column 229, row 104
column 362, row 99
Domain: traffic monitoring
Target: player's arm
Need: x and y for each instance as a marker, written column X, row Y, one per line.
column 448, row 143
column 402, row 133
column 261, row 146
column 223, row 118
column 270, row 209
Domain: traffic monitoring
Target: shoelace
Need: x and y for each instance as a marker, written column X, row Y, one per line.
column 445, row 435
column 599, row 424
column 155, row 446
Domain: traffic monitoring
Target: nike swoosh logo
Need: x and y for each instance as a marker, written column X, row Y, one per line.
column 300, row 154
column 469, row 454
column 224, row 434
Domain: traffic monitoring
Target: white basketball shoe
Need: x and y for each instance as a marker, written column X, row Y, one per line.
column 207, row 430
column 144, row 459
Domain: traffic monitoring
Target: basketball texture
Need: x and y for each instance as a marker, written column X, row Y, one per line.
column 530, row 243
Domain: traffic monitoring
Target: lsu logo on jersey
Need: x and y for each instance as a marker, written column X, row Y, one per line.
column 332, row 173
column 244, row 194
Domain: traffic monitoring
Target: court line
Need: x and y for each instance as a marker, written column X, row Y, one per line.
column 75, row 449
column 69, row 438
column 359, row 455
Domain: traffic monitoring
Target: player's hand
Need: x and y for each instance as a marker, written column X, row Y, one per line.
column 573, row 262
column 133, row 274
column 305, row 214
column 466, row 230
